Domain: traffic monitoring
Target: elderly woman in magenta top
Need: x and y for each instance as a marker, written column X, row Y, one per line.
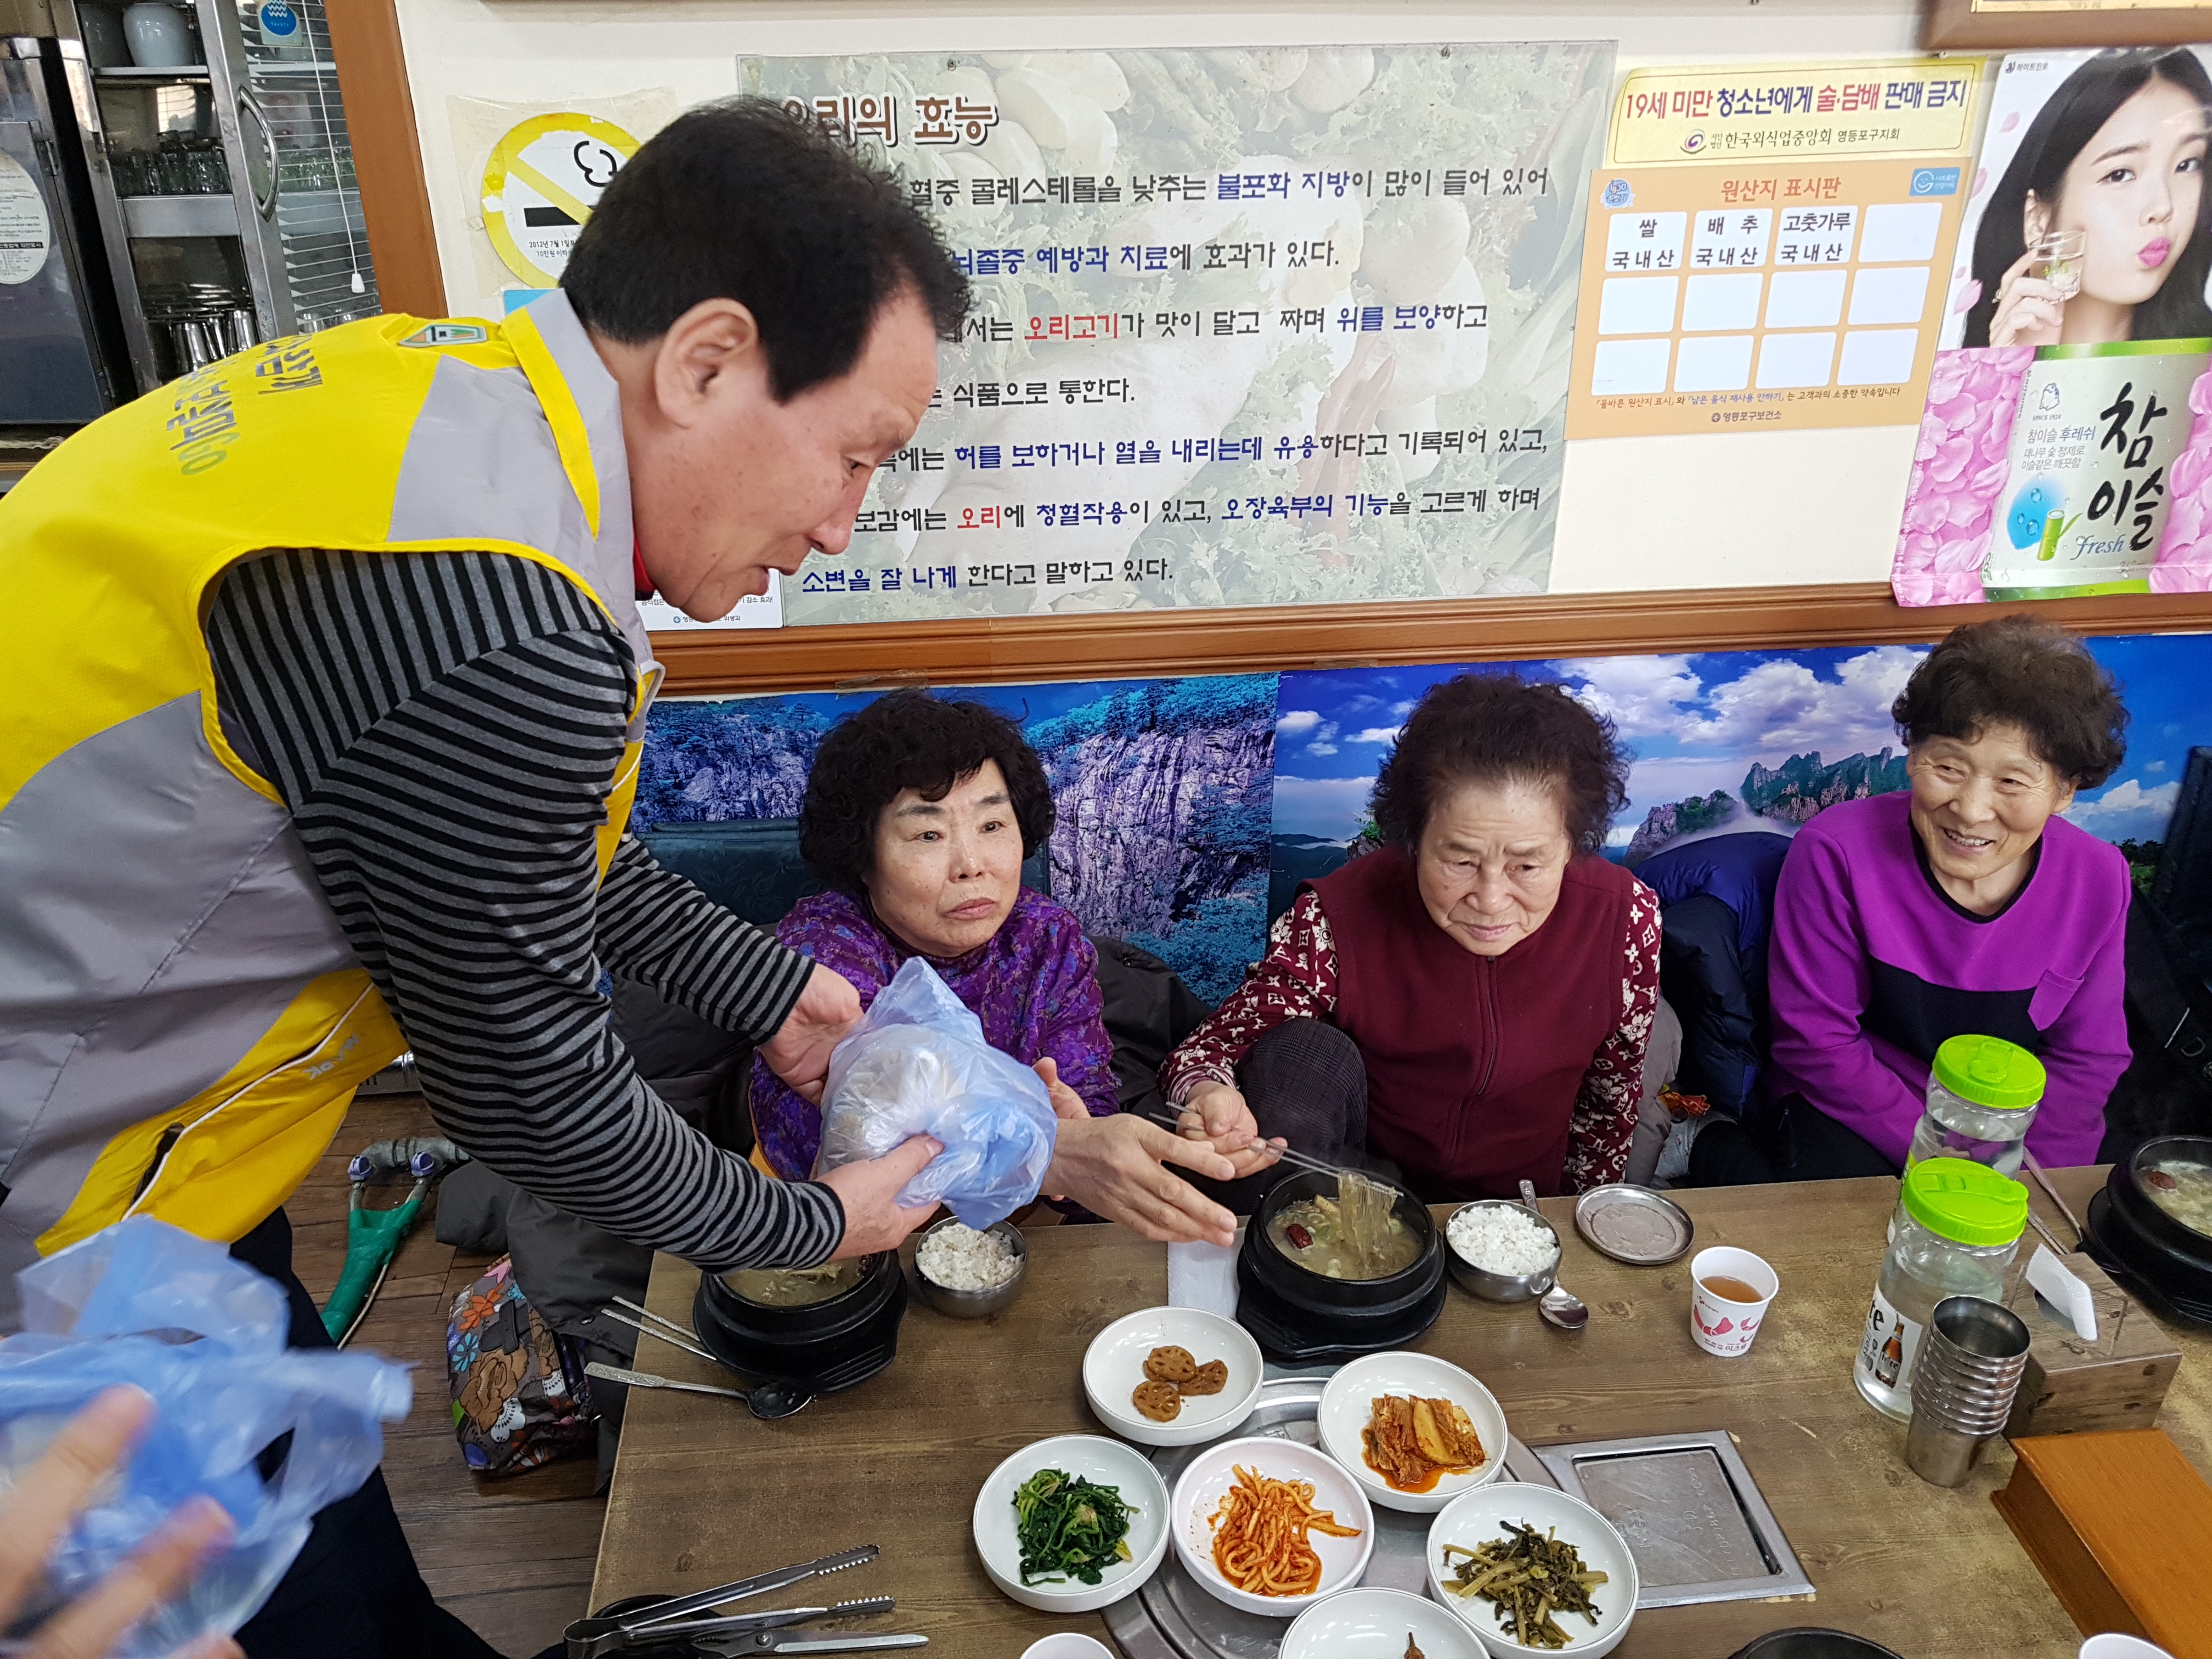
column 1962, row 906
column 1469, row 1004
column 918, row 815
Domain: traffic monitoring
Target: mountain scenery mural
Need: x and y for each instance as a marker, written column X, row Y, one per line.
column 1189, row 810
column 1782, row 798
column 1163, row 787
column 1726, row 740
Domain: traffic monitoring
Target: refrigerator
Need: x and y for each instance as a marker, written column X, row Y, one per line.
column 202, row 170
column 63, row 356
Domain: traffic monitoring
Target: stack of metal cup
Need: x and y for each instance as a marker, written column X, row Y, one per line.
column 1971, row 1357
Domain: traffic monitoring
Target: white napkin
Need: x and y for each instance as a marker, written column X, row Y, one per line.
column 2061, row 1288
column 1203, row 1276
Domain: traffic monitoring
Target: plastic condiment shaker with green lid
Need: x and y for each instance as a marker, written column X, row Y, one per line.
column 1967, row 1202
column 1989, row 1072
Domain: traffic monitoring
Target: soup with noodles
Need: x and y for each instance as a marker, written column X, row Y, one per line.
column 2184, row 1191
column 793, row 1287
column 1356, row 1234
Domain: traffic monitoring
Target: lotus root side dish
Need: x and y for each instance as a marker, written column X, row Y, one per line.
column 1210, row 1378
column 1171, row 1365
column 1171, row 1374
column 1259, row 1535
column 1356, row 1234
column 1412, row 1442
column 1161, row 1401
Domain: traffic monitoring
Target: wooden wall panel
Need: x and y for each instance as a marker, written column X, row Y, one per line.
column 1135, row 644
column 1960, row 25
column 387, row 158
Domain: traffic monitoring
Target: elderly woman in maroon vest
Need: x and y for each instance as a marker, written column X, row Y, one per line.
column 1468, row 1005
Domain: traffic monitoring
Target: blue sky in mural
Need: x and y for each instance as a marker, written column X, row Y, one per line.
column 1699, row 722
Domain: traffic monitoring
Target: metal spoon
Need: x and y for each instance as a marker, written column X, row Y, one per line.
column 1560, row 1308
column 767, row 1400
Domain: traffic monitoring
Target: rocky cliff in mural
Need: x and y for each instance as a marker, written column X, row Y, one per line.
column 1800, row 787
column 1681, row 817
column 710, row 763
column 1164, row 793
column 1791, row 793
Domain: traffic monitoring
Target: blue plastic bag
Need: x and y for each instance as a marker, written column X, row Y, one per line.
column 917, row 1065
column 146, row 1303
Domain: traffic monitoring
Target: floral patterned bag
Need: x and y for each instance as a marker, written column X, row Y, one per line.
column 520, row 1397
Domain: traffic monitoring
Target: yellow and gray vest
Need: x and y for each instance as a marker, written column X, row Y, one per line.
column 182, row 1023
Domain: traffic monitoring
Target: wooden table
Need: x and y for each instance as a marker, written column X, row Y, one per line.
column 704, row 1493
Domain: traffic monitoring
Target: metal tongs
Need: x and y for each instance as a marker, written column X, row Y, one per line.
column 629, row 1627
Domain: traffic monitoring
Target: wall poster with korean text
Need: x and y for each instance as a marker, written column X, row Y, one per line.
column 1275, row 326
column 1767, row 244
column 2067, row 444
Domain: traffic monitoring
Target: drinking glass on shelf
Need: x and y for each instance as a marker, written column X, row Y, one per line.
column 169, row 163
column 204, row 164
column 2058, row 256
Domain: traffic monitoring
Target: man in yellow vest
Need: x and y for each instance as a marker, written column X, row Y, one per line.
column 328, row 688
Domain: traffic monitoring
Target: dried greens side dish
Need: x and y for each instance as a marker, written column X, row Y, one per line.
column 1529, row 1576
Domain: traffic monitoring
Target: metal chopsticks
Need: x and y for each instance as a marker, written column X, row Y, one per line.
column 673, row 1341
column 1296, row 1160
column 2042, row 1180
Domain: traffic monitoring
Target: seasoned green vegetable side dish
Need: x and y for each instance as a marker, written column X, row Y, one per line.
column 1069, row 1527
column 1529, row 1576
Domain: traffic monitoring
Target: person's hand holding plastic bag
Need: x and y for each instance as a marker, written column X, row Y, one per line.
column 145, row 1304
column 69, row 1475
column 917, row 1063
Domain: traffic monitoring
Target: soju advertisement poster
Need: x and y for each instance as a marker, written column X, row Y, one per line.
column 2067, row 444
column 1286, row 326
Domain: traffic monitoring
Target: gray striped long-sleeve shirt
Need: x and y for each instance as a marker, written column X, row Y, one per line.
column 444, row 728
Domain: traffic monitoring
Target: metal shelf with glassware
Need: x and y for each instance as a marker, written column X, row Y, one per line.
column 220, row 150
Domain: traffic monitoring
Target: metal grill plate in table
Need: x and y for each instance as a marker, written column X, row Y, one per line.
column 1173, row 1617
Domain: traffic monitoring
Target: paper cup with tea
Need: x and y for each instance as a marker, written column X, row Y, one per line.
column 1729, row 1293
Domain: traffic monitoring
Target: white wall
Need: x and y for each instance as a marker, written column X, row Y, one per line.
column 1730, row 510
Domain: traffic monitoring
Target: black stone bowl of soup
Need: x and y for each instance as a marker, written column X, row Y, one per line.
column 819, row 1328
column 2155, row 1220
column 1299, row 1274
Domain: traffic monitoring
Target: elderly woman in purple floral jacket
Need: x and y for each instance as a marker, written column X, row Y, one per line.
column 918, row 816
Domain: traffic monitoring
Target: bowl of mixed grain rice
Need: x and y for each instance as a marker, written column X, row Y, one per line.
column 1501, row 1250
column 968, row 1273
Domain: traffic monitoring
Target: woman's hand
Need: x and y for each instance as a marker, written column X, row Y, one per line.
column 798, row 1053
column 874, row 1219
column 2029, row 310
column 1066, row 1104
column 1219, row 1115
column 1114, row 1167
column 92, row 1444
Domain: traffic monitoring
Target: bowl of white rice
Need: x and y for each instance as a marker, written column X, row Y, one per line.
column 967, row 1273
column 1501, row 1250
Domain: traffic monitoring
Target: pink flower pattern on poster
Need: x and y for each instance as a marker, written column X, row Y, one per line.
column 1959, row 473
column 2185, row 553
